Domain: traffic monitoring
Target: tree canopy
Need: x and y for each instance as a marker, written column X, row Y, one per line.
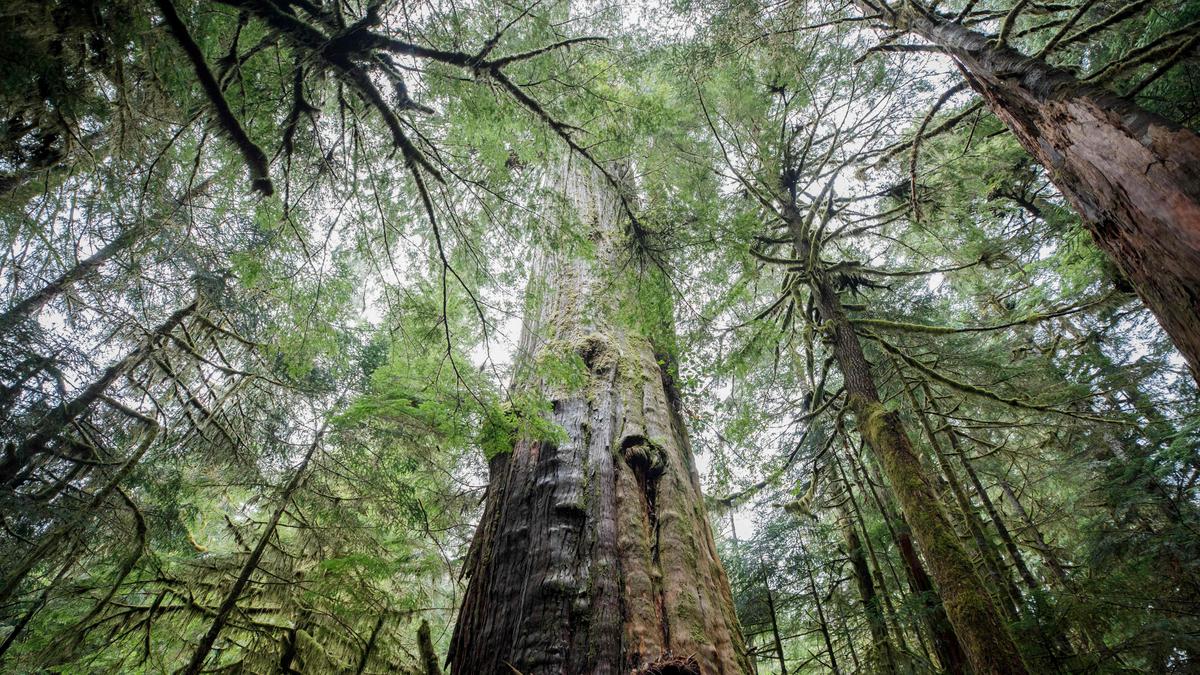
column 265, row 264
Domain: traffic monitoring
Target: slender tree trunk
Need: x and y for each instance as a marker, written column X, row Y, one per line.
column 816, row 597
column 19, row 627
column 949, row 650
column 1090, row 628
column 365, row 658
column 881, row 646
column 130, row 236
column 775, row 630
column 980, row 627
column 1010, row 544
column 846, row 635
column 429, row 660
column 1132, row 175
column 859, row 524
column 1121, row 452
column 291, row 644
column 1006, row 596
column 594, row 554
column 20, row 374
column 65, row 650
column 1058, row 647
column 225, row 610
column 1057, row 570
column 70, row 527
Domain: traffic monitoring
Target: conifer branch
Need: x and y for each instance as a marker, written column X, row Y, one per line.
column 255, row 158
column 908, row 327
column 980, row 391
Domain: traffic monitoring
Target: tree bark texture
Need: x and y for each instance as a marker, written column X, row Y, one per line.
column 979, row 626
column 594, row 555
column 1132, row 175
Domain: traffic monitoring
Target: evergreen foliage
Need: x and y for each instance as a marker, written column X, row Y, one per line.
column 261, row 270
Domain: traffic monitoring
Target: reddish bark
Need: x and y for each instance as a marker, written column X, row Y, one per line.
column 1132, row 175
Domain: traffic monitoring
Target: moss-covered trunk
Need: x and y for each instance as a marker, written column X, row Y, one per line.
column 1004, row 592
column 949, row 651
column 1132, row 175
column 980, row 628
column 594, row 554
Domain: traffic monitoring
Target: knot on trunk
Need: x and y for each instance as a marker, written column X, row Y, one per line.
column 598, row 352
column 647, row 460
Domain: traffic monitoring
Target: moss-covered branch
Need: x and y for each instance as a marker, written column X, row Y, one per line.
column 967, row 388
column 907, row 327
column 255, row 158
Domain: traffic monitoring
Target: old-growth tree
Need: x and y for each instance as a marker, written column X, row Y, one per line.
column 1131, row 174
column 594, row 552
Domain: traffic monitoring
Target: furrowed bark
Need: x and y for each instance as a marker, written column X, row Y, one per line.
column 594, row 555
column 1132, row 175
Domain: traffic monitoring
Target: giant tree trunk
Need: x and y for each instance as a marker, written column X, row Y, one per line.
column 982, row 631
column 1132, row 175
column 594, row 555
